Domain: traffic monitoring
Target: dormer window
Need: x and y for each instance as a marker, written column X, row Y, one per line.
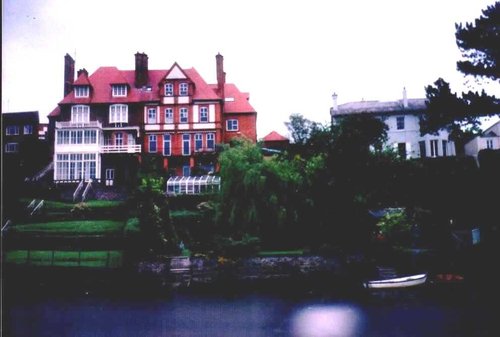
column 82, row 91
column 169, row 89
column 119, row 90
column 183, row 89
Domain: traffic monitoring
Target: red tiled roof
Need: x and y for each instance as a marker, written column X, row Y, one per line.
column 273, row 136
column 240, row 103
column 55, row 112
column 101, row 80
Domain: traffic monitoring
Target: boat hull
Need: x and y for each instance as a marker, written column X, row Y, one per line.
column 398, row 282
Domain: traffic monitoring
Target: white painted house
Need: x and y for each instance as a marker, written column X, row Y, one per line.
column 490, row 139
column 402, row 120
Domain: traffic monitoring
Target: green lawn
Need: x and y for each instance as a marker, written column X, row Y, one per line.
column 109, row 259
column 66, row 228
column 50, row 205
column 281, row 252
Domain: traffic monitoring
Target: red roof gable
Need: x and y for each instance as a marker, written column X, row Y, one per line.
column 82, row 80
column 236, row 101
column 273, row 136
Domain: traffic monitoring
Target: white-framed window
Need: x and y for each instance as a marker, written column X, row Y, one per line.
column 169, row 115
column 434, row 148
column 90, row 136
column 167, row 145
column 119, row 139
column 489, row 143
column 210, row 141
column 445, row 148
column 81, row 91
column 75, row 166
column 400, row 122
column 152, row 143
column 183, row 89
column 203, row 114
column 62, row 136
column 151, row 116
column 169, row 89
column 28, row 129
column 119, row 90
column 110, row 177
column 11, row 147
column 76, row 137
column 118, row 113
column 183, row 115
column 12, row 130
column 186, row 144
column 80, row 114
column 198, row 142
column 232, row 125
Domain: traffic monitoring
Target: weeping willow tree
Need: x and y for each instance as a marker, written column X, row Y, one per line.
column 258, row 195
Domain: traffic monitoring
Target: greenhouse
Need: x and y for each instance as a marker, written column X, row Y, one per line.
column 193, row 185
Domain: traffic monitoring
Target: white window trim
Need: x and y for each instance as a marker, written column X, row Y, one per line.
column 118, row 116
column 169, row 145
column 30, row 127
column 81, row 91
column 149, row 143
column 14, row 132
column 84, row 114
column 189, row 144
column 180, row 115
column 204, row 109
column 119, row 90
column 230, row 121
column 183, row 89
column 11, row 147
column 170, row 92
column 170, row 120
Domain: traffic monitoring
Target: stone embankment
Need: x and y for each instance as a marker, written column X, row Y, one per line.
column 203, row 270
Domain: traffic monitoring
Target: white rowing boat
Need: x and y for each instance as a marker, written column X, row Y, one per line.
column 397, row 282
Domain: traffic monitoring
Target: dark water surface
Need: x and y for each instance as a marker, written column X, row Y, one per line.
column 250, row 313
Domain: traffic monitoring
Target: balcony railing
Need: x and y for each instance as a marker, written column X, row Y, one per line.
column 136, row 148
column 69, row 124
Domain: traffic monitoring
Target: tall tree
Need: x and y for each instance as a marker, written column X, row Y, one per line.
column 479, row 43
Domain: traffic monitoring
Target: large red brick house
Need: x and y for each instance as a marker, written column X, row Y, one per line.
column 110, row 120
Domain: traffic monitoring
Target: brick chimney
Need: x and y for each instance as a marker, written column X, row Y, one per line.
column 221, row 75
column 141, row 70
column 82, row 71
column 69, row 73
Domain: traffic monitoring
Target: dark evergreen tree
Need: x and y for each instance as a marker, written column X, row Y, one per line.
column 479, row 43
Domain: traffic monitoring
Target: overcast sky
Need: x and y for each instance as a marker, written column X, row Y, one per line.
column 289, row 55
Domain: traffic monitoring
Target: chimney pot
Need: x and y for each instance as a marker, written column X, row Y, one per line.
column 405, row 98
column 335, row 105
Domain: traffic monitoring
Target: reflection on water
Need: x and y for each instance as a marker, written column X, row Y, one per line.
column 247, row 314
column 327, row 320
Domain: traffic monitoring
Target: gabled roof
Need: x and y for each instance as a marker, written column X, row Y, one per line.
column 102, row 79
column 273, row 136
column 493, row 131
column 415, row 105
column 236, row 101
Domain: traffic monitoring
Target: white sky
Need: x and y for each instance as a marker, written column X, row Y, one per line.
column 289, row 55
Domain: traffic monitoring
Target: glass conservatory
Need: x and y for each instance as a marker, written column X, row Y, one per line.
column 193, row 185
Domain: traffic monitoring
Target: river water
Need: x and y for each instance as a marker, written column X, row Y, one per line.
column 250, row 312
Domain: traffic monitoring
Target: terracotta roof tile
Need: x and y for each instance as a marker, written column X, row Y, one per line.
column 273, row 136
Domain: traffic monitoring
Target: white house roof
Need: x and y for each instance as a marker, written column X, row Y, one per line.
column 414, row 105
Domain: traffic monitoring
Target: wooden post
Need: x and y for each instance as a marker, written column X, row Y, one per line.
column 52, row 263
column 79, row 257
column 28, row 257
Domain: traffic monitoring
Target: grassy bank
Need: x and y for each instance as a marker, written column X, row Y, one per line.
column 70, row 228
column 58, row 258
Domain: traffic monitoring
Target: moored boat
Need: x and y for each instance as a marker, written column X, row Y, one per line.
column 397, row 282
